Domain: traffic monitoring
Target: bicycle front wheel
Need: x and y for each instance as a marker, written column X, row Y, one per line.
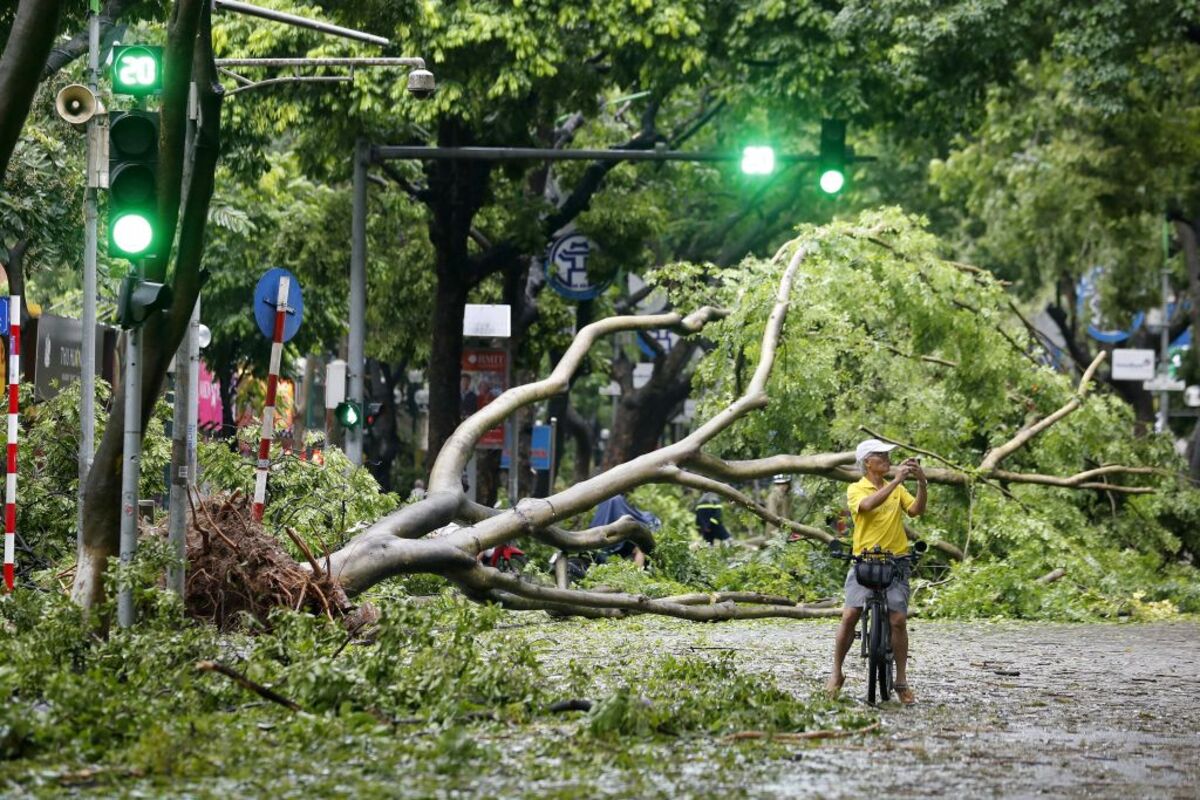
column 875, row 658
column 886, row 663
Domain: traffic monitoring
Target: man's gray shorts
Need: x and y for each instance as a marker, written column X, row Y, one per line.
column 897, row 594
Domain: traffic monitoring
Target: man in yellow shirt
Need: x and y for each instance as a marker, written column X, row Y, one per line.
column 876, row 506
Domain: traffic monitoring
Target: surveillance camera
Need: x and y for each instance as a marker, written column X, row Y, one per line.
column 421, row 84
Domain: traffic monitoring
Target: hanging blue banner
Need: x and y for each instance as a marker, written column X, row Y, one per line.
column 539, row 448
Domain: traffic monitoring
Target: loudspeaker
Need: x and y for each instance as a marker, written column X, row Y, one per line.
column 76, row 104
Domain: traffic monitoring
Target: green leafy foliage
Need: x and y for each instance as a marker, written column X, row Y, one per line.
column 48, row 471
column 677, row 695
column 322, row 503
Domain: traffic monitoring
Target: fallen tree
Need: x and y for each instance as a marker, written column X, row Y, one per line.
column 401, row 543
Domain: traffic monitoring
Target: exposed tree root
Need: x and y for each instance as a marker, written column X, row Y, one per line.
column 235, row 566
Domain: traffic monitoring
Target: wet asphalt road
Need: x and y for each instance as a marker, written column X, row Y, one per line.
column 1004, row 710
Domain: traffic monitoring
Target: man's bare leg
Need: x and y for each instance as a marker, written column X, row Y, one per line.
column 841, row 646
column 899, row 622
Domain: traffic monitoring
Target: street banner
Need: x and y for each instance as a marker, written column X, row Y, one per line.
column 484, row 378
column 59, row 356
column 209, row 400
column 539, row 448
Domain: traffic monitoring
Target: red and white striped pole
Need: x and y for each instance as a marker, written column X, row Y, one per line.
column 10, row 489
column 268, row 419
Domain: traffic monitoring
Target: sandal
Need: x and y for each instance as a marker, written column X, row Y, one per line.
column 834, row 688
column 904, row 694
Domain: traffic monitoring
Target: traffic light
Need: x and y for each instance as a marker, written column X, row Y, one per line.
column 138, row 299
column 349, row 414
column 1176, row 358
column 132, row 179
column 372, row 416
column 831, row 163
column 137, row 70
column 758, row 160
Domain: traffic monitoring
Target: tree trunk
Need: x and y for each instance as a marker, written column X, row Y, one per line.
column 581, row 434
column 459, row 190
column 225, row 378
column 383, row 441
column 487, row 476
column 163, row 332
column 445, row 360
column 643, row 414
column 24, row 56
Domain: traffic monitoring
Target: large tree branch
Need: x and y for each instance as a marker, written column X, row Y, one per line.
column 485, row 579
column 458, row 448
column 998, row 454
column 831, row 465
column 77, row 45
column 25, row 52
column 178, row 64
column 593, row 177
column 624, row 529
column 673, row 474
column 532, row 513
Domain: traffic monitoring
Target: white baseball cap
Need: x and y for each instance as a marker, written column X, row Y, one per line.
column 868, row 446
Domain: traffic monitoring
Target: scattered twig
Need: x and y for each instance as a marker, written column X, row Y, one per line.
column 576, row 704
column 316, row 568
column 246, row 683
column 1052, row 576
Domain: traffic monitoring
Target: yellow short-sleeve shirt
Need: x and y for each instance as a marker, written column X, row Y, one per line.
column 883, row 526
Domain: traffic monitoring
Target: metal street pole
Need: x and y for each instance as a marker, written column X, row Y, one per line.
column 182, row 433
column 513, row 431
column 130, row 468
column 193, row 405
column 298, row 21
column 87, row 356
column 358, row 295
column 420, row 153
column 1164, row 345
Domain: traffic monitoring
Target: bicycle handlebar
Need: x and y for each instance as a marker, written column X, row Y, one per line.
column 838, row 550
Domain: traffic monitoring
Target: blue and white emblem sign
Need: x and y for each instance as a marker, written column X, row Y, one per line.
column 566, row 268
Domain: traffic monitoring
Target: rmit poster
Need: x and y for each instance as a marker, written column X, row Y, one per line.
column 484, row 378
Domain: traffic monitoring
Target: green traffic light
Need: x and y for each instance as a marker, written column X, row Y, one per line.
column 348, row 414
column 137, row 70
column 131, row 235
column 758, row 160
column 832, row 181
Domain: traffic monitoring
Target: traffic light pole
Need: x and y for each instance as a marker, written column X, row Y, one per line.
column 130, row 468
column 87, row 356
column 183, row 442
column 355, row 364
column 1164, row 397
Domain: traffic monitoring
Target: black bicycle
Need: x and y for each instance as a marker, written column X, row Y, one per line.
column 875, row 570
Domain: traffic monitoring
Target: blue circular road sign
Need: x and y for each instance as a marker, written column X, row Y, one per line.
column 566, row 268
column 266, row 293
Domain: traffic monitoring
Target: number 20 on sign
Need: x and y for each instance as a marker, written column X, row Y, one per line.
column 137, row 70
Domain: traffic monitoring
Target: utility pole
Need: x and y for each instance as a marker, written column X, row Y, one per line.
column 355, row 364
column 130, row 468
column 1162, row 425
column 87, row 356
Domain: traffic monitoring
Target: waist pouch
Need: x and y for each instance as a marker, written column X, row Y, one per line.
column 875, row 574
